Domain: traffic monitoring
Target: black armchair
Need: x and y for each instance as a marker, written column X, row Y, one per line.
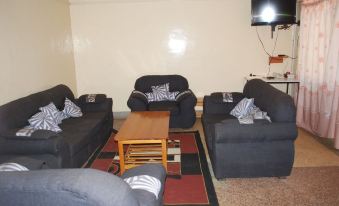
column 181, row 109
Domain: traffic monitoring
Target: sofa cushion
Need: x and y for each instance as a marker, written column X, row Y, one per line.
column 209, row 120
column 231, row 131
column 165, row 106
column 78, row 132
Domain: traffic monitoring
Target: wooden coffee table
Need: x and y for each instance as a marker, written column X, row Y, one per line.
column 146, row 133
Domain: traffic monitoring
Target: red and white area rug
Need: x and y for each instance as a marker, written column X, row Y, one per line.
column 188, row 179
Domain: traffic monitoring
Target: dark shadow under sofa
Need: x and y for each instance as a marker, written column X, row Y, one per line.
column 262, row 149
column 67, row 149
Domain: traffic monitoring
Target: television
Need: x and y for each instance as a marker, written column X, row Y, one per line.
column 273, row 12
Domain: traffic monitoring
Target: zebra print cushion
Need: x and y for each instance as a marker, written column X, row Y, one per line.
column 160, row 92
column 243, row 108
column 51, row 110
column 71, row 109
column 44, row 121
column 151, row 97
column 145, row 182
column 172, row 96
column 9, row 167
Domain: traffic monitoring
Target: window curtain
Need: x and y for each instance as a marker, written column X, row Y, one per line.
column 318, row 68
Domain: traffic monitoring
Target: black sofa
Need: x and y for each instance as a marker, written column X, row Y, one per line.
column 68, row 149
column 262, row 149
column 182, row 110
column 78, row 187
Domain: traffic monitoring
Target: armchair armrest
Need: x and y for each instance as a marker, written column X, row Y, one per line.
column 186, row 99
column 137, row 101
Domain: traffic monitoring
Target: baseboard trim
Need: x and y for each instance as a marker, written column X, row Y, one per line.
column 121, row 115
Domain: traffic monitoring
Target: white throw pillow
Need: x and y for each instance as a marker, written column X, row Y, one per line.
column 243, row 108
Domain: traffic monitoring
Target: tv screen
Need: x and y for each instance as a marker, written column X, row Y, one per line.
column 273, row 12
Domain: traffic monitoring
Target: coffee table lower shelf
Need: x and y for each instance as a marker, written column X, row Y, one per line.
column 141, row 152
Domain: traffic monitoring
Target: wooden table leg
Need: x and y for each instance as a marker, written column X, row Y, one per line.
column 164, row 152
column 121, row 157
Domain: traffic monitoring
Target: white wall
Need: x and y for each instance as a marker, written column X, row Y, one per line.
column 36, row 50
column 118, row 41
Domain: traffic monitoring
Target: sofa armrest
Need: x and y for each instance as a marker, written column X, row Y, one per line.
column 87, row 187
column 231, row 131
column 213, row 104
column 103, row 106
column 29, row 146
column 187, row 100
column 146, row 198
column 137, row 101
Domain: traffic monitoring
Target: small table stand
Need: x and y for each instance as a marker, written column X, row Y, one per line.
column 146, row 133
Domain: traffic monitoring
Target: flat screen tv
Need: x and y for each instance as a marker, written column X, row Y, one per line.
column 273, row 12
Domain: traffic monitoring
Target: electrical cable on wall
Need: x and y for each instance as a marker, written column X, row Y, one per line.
column 274, row 47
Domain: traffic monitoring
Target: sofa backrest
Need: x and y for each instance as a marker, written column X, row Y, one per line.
column 176, row 82
column 278, row 105
column 16, row 113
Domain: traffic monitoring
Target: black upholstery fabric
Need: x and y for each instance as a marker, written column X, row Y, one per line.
column 171, row 106
column 16, row 113
column 176, row 82
column 55, row 187
column 69, row 148
column 182, row 111
column 278, row 105
column 262, row 149
column 78, row 187
column 99, row 98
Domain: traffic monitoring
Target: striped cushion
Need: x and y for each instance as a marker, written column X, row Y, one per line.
column 44, row 121
column 71, row 109
column 9, row 167
column 145, row 182
column 172, row 95
column 243, row 108
column 51, row 110
column 160, row 92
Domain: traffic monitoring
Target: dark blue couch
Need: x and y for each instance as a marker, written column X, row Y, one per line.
column 261, row 149
column 68, row 149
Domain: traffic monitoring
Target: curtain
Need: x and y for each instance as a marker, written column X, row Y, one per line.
column 318, row 68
